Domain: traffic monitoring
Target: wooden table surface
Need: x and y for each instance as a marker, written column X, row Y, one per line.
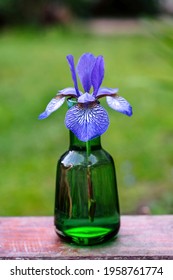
column 140, row 237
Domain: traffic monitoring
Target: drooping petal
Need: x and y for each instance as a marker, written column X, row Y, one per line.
column 97, row 74
column 87, row 122
column 52, row 106
column 68, row 92
column 119, row 104
column 84, row 69
column 70, row 60
column 106, row 92
column 85, row 98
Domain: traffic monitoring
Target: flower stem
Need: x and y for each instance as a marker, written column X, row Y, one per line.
column 91, row 200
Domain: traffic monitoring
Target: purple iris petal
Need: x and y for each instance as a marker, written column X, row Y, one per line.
column 119, row 104
column 52, row 106
column 85, row 98
column 86, row 118
column 84, row 70
column 106, row 92
column 70, row 60
column 97, row 74
column 69, row 92
column 87, row 122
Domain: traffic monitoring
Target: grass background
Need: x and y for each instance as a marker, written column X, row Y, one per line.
column 33, row 68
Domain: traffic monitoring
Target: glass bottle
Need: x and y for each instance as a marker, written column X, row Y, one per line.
column 86, row 199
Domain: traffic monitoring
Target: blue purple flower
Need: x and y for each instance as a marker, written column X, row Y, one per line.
column 87, row 119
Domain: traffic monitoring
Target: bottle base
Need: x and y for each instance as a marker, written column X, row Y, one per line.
column 87, row 236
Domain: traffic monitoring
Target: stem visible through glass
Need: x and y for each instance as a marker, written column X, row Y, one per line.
column 91, row 200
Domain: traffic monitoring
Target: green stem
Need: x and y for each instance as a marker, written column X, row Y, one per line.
column 91, row 200
column 88, row 149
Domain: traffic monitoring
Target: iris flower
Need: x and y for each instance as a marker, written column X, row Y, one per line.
column 87, row 119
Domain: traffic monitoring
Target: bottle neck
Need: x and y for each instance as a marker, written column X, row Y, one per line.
column 76, row 144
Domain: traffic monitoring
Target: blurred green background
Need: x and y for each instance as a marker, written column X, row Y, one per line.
column 34, row 41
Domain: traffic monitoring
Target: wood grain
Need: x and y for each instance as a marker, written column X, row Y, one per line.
column 140, row 237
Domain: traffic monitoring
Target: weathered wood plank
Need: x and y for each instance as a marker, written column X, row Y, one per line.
column 140, row 237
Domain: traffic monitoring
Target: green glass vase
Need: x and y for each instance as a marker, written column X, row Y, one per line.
column 86, row 199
